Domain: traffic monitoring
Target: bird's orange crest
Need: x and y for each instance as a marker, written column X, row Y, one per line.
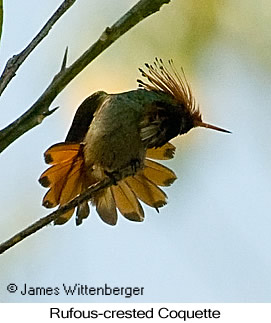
column 168, row 80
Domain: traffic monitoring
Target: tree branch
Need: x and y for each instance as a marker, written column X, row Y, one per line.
column 1, row 17
column 40, row 109
column 54, row 215
column 16, row 61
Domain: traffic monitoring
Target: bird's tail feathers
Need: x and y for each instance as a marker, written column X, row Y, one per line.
column 144, row 185
column 164, row 152
column 67, row 178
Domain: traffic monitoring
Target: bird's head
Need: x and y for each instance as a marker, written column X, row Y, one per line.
column 167, row 80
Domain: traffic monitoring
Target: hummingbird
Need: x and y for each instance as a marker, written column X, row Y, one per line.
column 120, row 136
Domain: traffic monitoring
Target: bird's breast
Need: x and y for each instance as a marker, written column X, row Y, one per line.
column 113, row 138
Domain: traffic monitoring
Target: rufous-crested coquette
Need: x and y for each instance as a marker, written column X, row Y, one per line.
column 119, row 135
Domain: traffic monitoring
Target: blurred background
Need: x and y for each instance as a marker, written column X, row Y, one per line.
column 211, row 243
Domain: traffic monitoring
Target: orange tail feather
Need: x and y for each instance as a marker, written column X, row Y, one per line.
column 167, row 151
column 146, row 191
column 65, row 178
column 127, row 203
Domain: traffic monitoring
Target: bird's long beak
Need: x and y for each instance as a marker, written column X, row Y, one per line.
column 206, row 125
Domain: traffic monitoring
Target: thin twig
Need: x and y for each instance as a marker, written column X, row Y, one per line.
column 40, row 109
column 16, row 61
column 54, row 215
column 1, row 17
